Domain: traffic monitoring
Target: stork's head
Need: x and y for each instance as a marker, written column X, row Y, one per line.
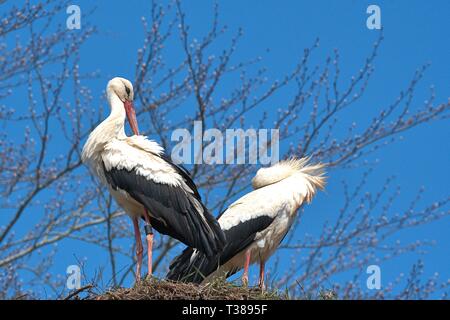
column 123, row 89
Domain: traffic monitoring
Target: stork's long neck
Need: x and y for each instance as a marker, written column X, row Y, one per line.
column 112, row 127
column 115, row 122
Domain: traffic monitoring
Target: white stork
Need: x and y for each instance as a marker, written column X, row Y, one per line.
column 145, row 183
column 254, row 225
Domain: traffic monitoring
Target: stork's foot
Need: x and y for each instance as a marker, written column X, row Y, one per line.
column 150, row 278
column 245, row 281
column 262, row 286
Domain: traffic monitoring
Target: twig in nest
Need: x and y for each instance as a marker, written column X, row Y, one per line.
column 89, row 286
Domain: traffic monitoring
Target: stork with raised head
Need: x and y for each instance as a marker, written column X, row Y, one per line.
column 255, row 224
column 145, row 183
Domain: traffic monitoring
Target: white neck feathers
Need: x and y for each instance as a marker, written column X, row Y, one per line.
column 112, row 127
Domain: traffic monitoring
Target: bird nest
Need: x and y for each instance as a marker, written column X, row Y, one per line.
column 155, row 289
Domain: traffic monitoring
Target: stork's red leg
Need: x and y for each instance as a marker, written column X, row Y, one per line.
column 246, row 265
column 261, row 275
column 139, row 248
column 149, row 237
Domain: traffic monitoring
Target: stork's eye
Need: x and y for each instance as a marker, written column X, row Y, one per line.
column 127, row 90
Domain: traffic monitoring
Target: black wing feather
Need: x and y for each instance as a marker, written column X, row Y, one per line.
column 239, row 237
column 182, row 171
column 172, row 210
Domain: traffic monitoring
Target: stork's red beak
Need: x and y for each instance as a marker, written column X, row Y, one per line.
column 131, row 115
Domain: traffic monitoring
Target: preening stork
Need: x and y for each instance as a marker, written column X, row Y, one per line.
column 145, row 183
column 255, row 224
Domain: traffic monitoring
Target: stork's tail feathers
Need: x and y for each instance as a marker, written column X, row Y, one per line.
column 189, row 266
column 314, row 174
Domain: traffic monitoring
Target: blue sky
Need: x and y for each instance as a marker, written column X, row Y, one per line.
column 416, row 32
